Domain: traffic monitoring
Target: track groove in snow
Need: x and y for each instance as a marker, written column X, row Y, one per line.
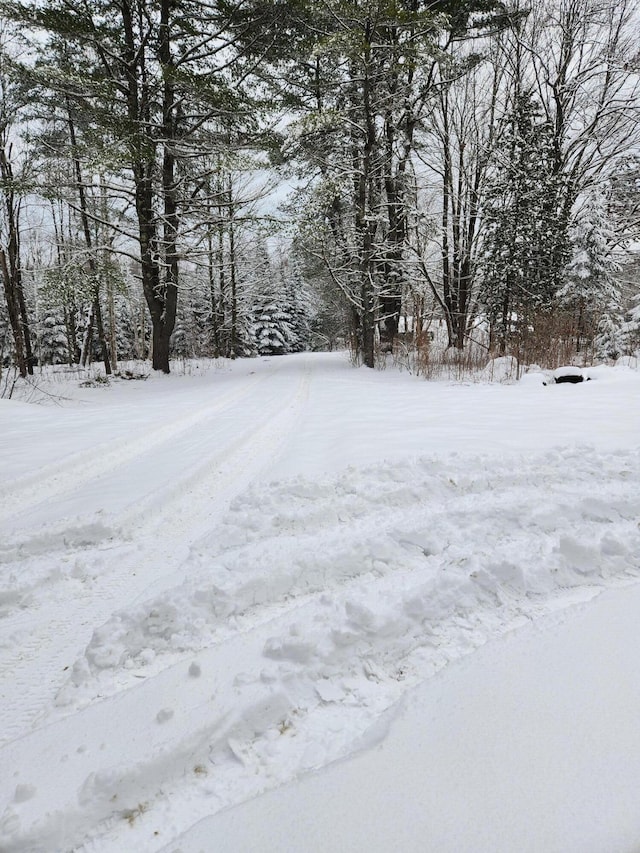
column 100, row 466
column 160, row 532
column 85, row 466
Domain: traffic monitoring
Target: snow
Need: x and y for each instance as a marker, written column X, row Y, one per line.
column 567, row 370
column 485, row 756
column 278, row 600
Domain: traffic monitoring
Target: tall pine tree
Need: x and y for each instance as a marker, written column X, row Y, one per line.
column 524, row 239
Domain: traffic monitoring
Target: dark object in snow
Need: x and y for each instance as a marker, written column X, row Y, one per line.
column 568, row 374
column 573, row 378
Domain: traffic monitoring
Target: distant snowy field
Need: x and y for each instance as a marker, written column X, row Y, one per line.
column 288, row 605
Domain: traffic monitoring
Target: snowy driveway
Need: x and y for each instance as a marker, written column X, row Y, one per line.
column 212, row 584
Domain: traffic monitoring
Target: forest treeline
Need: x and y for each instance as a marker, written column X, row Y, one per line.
column 189, row 178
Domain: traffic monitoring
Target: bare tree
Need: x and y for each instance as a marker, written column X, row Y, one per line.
column 13, row 189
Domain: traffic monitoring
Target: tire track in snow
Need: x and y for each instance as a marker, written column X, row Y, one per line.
column 189, row 506
column 87, row 465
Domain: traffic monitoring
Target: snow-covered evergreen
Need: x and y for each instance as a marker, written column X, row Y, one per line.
column 274, row 315
column 631, row 328
column 610, row 339
column 299, row 300
column 53, row 346
column 273, row 325
column 590, row 291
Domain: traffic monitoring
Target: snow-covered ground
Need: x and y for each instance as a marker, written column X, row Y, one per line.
column 288, row 605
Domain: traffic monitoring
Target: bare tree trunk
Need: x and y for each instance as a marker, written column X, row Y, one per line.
column 89, row 244
column 111, row 305
column 160, row 295
column 233, row 278
column 222, row 277
column 87, row 341
column 12, row 272
column 104, row 349
column 113, row 339
column 162, row 335
column 142, row 349
column 214, row 297
column 447, row 295
column 366, row 195
column 71, row 333
column 14, row 316
column 24, row 323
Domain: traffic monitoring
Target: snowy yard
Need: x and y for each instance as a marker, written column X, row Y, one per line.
column 288, row 605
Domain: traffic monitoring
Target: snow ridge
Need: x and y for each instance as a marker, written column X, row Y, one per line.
column 283, row 543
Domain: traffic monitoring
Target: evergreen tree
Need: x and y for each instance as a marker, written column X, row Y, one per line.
column 610, row 338
column 590, row 286
column 298, row 301
column 273, row 328
column 149, row 86
column 125, row 328
column 52, row 338
column 273, row 325
column 67, row 289
column 525, row 243
column 191, row 337
column 631, row 328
